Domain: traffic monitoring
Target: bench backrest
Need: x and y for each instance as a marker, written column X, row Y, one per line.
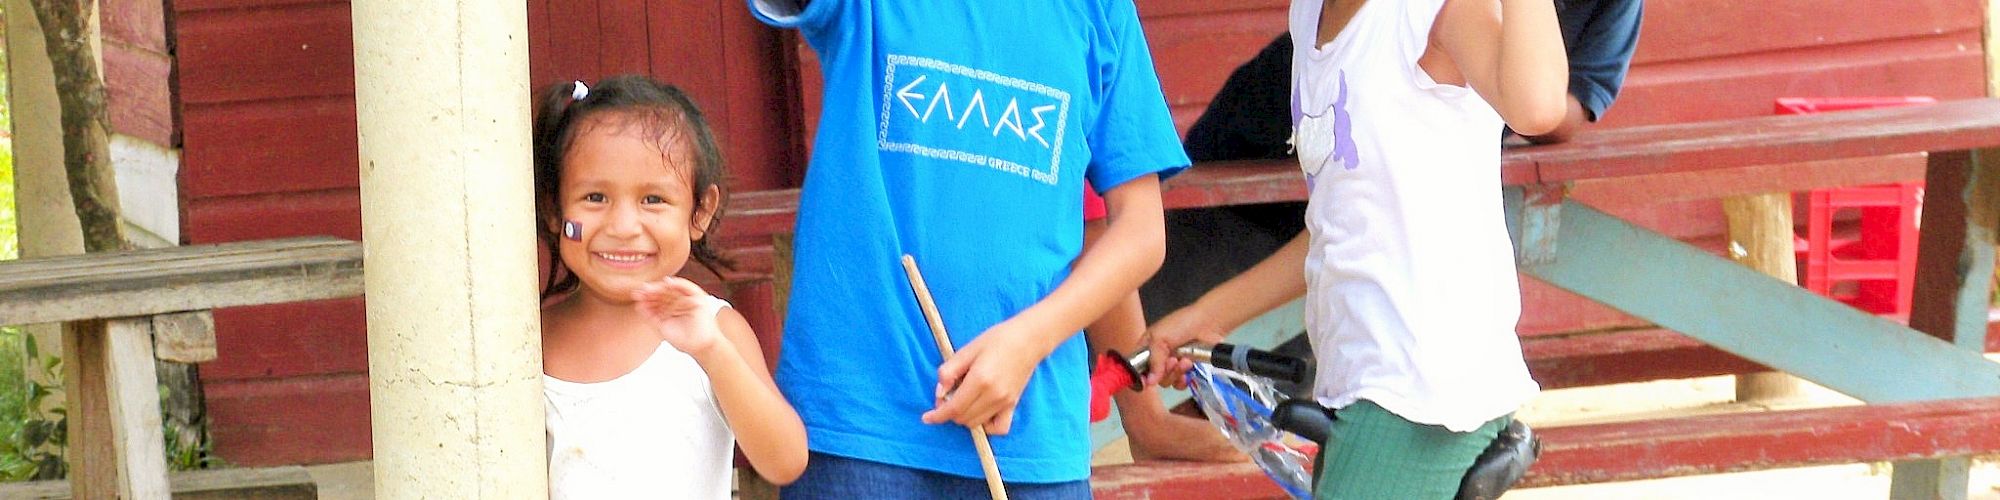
column 189, row 278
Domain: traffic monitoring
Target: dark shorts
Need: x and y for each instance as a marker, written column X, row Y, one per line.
column 836, row 477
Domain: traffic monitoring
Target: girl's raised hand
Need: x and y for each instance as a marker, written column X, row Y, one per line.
column 682, row 312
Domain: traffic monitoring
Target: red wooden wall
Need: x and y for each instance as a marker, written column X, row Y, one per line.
column 267, row 119
column 267, row 114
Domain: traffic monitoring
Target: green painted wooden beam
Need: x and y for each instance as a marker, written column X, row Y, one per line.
column 1746, row 313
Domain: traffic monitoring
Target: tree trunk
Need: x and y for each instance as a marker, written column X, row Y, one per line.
column 86, row 130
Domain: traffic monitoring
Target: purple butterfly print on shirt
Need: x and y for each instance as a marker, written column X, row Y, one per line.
column 1344, row 148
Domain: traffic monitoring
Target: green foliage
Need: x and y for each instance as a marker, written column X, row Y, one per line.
column 30, row 448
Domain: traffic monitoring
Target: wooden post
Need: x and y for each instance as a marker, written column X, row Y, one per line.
column 1760, row 237
column 1993, row 48
column 47, row 219
column 447, row 212
column 116, row 447
column 1954, row 284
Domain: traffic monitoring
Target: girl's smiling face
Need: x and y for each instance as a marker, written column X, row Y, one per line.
column 631, row 195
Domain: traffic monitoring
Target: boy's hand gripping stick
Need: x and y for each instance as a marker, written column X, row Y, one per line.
column 979, row 441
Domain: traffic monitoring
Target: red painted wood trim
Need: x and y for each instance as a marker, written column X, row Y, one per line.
column 1638, row 151
column 1601, row 358
column 1728, row 144
column 1730, row 443
column 1174, row 480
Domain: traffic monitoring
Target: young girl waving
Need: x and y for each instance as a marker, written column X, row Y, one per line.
column 649, row 380
column 1411, row 295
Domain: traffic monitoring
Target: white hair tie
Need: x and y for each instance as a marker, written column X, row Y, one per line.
column 581, row 91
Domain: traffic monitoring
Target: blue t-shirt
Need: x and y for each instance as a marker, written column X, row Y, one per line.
column 959, row 132
column 1600, row 36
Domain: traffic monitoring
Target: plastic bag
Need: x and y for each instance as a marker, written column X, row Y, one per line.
column 1240, row 407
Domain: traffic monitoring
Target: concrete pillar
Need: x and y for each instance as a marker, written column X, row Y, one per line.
column 45, row 217
column 454, row 346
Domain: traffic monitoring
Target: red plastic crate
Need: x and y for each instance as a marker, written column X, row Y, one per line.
column 1881, row 261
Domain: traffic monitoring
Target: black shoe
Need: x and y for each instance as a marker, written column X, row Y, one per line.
column 1502, row 464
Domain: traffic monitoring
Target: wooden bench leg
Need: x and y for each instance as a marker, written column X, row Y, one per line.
column 1954, row 280
column 116, row 447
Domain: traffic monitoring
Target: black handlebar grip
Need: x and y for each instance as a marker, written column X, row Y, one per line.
column 1260, row 363
column 1305, row 418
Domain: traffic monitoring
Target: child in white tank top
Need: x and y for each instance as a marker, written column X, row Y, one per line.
column 1407, row 269
column 649, row 381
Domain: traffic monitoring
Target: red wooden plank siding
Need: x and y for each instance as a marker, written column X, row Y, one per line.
column 137, row 70
column 1731, row 57
column 295, row 420
column 327, row 345
column 540, row 67
column 271, row 146
column 141, row 24
column 268, row 135
column 268, row 142
column 269, row 150
column 303, row 50
column 573, row 31
column 1708, row 29
column 760, row 103
column 623, row 37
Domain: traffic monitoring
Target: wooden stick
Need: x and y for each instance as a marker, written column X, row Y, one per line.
column 986, row 461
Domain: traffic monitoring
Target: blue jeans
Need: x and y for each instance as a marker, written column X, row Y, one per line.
column 835, row 477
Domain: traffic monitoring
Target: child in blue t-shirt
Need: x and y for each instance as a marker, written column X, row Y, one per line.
column 960, row 132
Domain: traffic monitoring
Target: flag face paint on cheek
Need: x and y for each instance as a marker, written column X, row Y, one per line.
column 572, row 230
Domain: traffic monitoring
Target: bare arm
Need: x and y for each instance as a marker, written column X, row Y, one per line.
column 1274, row 281
column 990, row 373
column 1573, row 121
column 769, row 431
column 1517, row 65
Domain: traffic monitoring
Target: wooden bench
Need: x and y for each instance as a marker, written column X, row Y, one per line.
column 1741, row 156
column 1597, row 164
column 118, row 306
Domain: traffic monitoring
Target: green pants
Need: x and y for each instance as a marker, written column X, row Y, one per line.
column 1374, row 454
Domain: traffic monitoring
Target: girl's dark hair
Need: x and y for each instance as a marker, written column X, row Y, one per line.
column 659, row 110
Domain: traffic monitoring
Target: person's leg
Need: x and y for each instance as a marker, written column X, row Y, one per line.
column 1372, row 453
column 1154, row 433
column 834, row 477
column 829, row 477
column 1073, row 490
